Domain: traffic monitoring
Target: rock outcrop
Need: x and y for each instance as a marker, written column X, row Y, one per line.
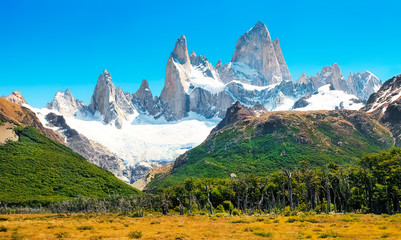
column 143, row 100
column 16, row 97
column 235, row 113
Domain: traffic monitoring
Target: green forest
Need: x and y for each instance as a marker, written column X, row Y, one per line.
column 36, row 170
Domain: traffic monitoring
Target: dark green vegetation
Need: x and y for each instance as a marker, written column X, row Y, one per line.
column 372, row 185
column 37, row 170
column 261, row 145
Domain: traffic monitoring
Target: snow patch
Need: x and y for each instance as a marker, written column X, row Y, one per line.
column 142, row 138
column 326, row 99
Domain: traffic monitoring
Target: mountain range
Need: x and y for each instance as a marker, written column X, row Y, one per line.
column 129, row 133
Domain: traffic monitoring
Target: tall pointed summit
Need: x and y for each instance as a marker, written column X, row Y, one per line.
column 256, row 50
column 176, row 82
column 111, row 102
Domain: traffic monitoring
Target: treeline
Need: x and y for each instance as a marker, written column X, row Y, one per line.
column 373, row 185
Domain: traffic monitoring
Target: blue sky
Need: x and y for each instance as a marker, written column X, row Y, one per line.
column 46, row 46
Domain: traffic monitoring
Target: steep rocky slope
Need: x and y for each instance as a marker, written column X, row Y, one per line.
column 92, row 151
column 17, row 114
column 385, row 105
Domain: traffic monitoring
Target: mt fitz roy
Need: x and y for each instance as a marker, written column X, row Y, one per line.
column 196, row 95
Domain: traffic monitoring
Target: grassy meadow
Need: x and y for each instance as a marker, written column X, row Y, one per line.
column 219, row 226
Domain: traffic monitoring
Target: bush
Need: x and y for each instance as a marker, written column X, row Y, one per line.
column 16, row 236
column 135, row 234
column 85, row 228
column 228, row 206
column 236, row 212
column 263, row 234
column 240, row 221
column 202, row 213
column 252, row 229
column 329, row 234
column 220, row 209
column 291, row 220
column 3, row 229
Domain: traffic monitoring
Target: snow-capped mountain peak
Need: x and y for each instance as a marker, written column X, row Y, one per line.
column 66, row 104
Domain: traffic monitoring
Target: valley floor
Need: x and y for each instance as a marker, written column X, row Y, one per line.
column 220, row 226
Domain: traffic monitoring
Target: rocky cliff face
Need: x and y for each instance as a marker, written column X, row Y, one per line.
column 66, row 104
column 176, row 82
column 256, row 50
column 111, row 102
column 16, row 97
column 363, row 84
column 385, row 105
column 143, row 100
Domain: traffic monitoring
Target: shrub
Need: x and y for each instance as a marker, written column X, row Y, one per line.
column 386, row 235
column 3, row 229
column 240, row 221
column 85, row 228
column 135, row 234
column 252, row 229
column 220, row 209
column 202, row 213
column 330, row 234
column 2, row 219
column 154, row 222
column 263, row 234
column 16, row 236
column 61, row 235
column 228, row 206
column 236, row 212
column 291, row 220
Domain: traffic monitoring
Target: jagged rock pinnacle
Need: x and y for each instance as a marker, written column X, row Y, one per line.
column 180, row 52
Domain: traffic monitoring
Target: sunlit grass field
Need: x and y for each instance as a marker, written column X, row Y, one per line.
column 219, row 226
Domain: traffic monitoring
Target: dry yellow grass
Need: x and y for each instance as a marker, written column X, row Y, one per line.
column 111, row 226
